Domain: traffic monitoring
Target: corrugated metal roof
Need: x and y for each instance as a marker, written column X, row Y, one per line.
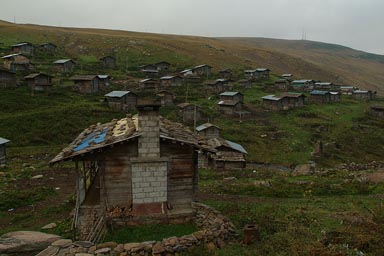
column 323, row 83
column 292, row 94
column 229, row 93
column 334, row 93
column 11, row 55
column 286, row 75
column 205, row 126
column 20, row 44
column 62, row 61
column 148, row 80
column 169, row 77
column 117, row 94
column 271, row 97
column 317, row 92
column 302, row 81
column 262, row 69
column 200, row 66
column 103, row 76
column 236, row 146
column 185, row 71
column 3, row 141
column 361, row 91
column 250, row 71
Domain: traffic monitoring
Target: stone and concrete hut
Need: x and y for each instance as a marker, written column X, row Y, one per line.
column 39, row 81
column 7, row 79
column 133, row 170
column 121, row 100
column 108, row 62
column 64, row 65
column 3, row 152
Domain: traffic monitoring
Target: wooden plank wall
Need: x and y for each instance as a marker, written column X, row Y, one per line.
column 181, row 174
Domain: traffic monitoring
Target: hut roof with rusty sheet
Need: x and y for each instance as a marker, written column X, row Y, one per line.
column 235, row 154
column 99, row 136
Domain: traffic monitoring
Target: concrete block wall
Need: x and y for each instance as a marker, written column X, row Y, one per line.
column 149, row 141
column 149, row 182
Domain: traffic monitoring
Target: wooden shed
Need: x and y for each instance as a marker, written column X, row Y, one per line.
column 226, row 73
column 219, row 85
column 251, row 74
column 3, row 151
column 49, row 47
column 104, row 82
column 7, row 79
column 149, row 84
column 169, row 81
column 263, row 73
column 232, row 96
column 228, row 155
column 162, row 66
column 282, row 85
column 64, row 65
column 17, row 62
column 108, row 62
column 272, row 102
column 86, row 84
column 320, row 97
column 208, row 131
column 363, row 95
column 246, row 83
column 294, row 100
column 166, row 98
column 39, row 82
column 131, row 171
column 203, row 70
column 377, row 111
column 190, row 113
column 335, row 96
column 302, row 85
column 24, row 48
column 229, row 107
column 121, row 100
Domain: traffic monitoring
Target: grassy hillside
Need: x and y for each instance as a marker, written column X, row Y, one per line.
column 336, row 63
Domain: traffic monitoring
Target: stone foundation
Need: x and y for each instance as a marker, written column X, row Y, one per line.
column 215, row 230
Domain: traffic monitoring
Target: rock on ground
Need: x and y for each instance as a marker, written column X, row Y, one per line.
column 22, row 243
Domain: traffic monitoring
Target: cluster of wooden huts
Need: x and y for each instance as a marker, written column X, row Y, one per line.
column 19, row 61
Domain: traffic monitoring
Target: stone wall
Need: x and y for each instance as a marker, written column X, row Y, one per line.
column 215, row 231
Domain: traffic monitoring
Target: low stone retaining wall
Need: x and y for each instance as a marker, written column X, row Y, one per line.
column 360, row 167
column 215, row 230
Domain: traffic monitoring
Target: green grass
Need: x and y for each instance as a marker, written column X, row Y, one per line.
column 149, row 232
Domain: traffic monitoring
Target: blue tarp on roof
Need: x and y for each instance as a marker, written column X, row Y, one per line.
column 93, row 138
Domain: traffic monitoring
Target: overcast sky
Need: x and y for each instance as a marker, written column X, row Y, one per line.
column 354, row 23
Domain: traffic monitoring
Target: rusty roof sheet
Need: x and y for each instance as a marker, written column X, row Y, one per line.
column 99, row 136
